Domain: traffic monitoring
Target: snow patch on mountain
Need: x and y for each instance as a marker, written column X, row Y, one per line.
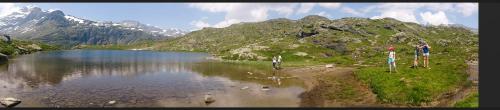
column 72, row 18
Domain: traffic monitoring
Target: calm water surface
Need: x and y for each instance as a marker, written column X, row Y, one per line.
column 92, row 78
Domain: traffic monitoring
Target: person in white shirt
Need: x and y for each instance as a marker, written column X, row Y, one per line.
column 279, row 61
column 392, row 59
column 274, row 62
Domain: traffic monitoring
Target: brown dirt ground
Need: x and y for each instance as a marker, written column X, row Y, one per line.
column 326, row 87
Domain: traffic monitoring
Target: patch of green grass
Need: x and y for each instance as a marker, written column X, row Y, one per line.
column 471, row 101
column 414, row 86
column 17, row 47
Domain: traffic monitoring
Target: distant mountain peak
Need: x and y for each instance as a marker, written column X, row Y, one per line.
column 51, row 25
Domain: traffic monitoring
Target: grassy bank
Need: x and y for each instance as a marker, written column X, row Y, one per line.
column 19, row 47
column 470, row 101
column 417, row 86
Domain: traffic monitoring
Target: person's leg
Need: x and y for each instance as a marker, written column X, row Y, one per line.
column 279, row 65
column 426, row 61
column 428, row 66
column 390, row 66
column 394, row 65
column 416, row 63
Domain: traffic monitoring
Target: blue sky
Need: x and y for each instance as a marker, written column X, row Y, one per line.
column 191, row 16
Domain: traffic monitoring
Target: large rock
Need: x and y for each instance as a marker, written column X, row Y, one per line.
column 3, row 58
column 9, row 102
column 209, row 98
column 307, row 33
column 329, row 66
column 35, row 47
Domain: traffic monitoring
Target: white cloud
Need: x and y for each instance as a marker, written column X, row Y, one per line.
column 435, row 19
column 324, row 14
column 434, row 13
column 439, row 6
column 402, row 15
column 406, row 11
column 400, row 11
column 244, row 12
column 7, row 8
column 330, row 5
column 199, row 24
column 351, row 11
column 226, row 23
column 467, row 9
column 305, row 8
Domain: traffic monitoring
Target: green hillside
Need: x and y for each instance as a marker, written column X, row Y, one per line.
column 20, row 47
column 315, row 38
column 355, row 42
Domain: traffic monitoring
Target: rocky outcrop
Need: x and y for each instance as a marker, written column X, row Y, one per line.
column 303, row 34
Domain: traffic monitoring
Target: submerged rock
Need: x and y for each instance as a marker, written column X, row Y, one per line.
column 265, row 88
column 243, row 88
column 9, row 102
column 112, row 102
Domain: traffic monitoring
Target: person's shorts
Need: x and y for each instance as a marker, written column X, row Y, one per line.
column 390, row 60
column 426, row 54
column 416, row 57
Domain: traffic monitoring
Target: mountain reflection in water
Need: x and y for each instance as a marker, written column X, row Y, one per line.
column 90, row 78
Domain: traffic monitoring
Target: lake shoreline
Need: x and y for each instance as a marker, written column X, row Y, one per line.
column 325, row 86
column 317, row 77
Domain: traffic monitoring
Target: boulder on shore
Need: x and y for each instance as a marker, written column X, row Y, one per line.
column 209, row 99
column 10, row 102
column 329, row 66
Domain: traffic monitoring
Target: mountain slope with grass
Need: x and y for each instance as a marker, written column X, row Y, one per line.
column 357, row 42
column 20, row 47
column 315, row 38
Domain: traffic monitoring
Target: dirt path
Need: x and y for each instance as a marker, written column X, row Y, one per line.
column 332, row 87
column 307, row 74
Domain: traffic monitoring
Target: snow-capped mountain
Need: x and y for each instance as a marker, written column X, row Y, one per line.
column 53, row 26
column 136, row 25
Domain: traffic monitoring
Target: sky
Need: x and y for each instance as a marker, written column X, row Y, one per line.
column 194, row 16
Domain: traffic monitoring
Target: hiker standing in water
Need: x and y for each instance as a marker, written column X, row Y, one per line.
column 392, row 59
column 279, row 61
column 425, row 50
column 415, row 60
column 274, row 62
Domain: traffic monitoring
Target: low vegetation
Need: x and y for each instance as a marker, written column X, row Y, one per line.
column 472, row 101
column 19, row 47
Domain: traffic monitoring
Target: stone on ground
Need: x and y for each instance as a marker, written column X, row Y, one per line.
column 329, row 65
column 9, row 102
